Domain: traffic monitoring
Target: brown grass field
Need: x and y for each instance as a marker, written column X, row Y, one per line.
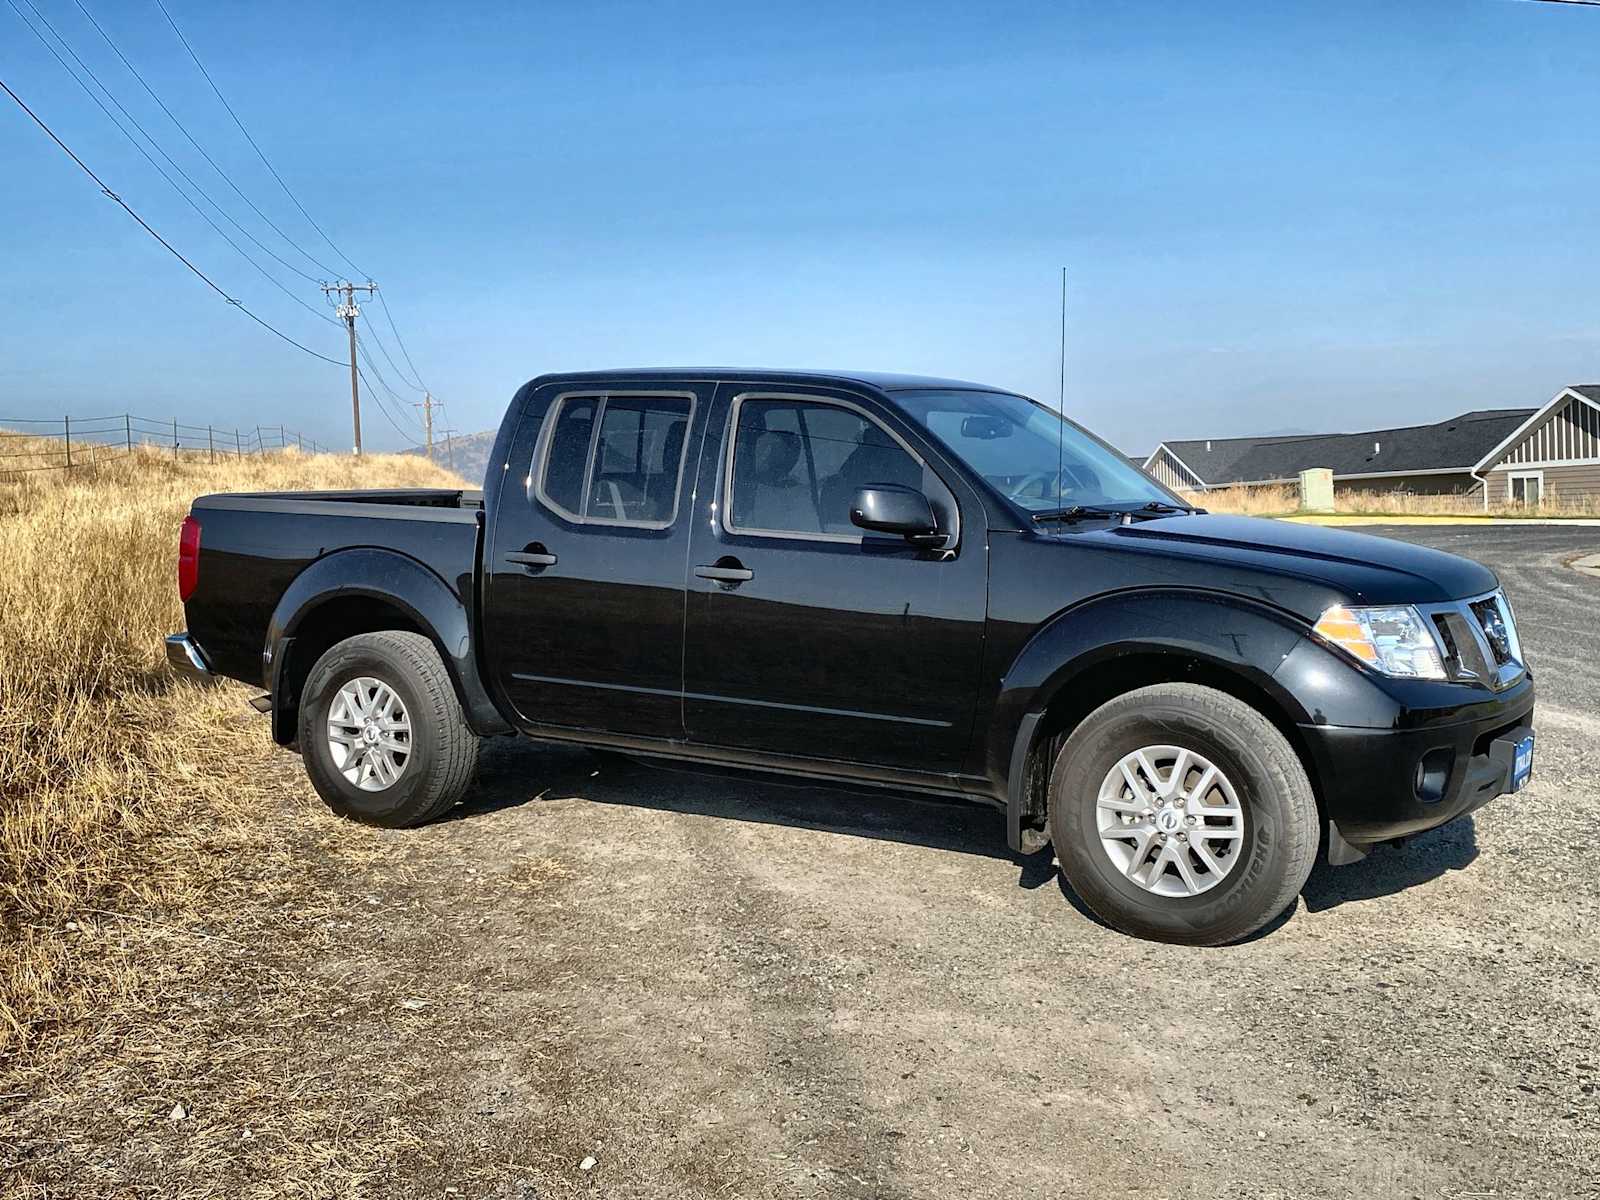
column 1284, row 501
column 119, row 784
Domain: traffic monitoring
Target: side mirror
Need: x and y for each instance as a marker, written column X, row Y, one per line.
column 891, row 508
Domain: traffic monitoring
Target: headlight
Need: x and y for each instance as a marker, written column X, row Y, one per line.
column 1394, row 640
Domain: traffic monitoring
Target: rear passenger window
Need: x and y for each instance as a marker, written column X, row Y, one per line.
column 797, row 466
column 616, row 459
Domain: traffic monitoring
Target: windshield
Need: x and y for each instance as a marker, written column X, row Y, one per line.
column 1029, row 454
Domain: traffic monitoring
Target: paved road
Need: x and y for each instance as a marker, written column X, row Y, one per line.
column 1558, row 609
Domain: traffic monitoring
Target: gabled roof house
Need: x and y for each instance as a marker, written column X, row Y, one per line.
column 1441, row 457
column 1554, row 453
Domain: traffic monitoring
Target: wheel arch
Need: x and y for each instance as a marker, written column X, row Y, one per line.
column 368, row 590
column 1091, row 655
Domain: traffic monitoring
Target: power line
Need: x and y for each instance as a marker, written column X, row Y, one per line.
column 203, row 277
column 399, row 374
column 415, row 374
column 259, row 153
column 385, row 411
column 134, row 142
column 383, row 382
column 202, row 150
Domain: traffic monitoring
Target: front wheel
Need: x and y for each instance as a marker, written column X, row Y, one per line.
column 382, row 732
column 1180, row 813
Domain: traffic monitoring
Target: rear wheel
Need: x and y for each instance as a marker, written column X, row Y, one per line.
column 382, row 733
column 1180, row 813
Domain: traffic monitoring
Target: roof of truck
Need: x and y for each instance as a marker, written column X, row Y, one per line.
column 888, row 381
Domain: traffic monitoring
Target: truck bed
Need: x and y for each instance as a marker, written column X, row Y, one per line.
column 365, row 502
column 253, row 545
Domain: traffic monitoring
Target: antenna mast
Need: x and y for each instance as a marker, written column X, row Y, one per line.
column 1061, row 403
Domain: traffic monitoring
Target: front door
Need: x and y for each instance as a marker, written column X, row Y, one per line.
column 804, row 636
column 584, row 606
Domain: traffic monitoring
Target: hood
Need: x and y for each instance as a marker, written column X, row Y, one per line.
column 1361, row 568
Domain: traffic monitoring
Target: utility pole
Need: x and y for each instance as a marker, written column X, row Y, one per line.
column 427, row 406
column 348, row 312
column 449, row 447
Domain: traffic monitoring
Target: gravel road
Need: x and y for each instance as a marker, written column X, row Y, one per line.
column 720, row 986
column 726, row 983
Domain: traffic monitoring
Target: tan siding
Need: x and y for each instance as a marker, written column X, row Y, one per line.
column 1572, row 431
column 1567, row 483
column 1167, row 472
column 1420, row 485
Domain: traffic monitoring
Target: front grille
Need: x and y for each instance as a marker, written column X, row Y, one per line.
column 1492, row 621
column 1463, row 656
column 1478, row 640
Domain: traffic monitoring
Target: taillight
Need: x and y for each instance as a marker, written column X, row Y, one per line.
column 188, row 558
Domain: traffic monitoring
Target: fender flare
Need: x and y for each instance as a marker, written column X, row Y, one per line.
column 394, row 579
column 1225, row 632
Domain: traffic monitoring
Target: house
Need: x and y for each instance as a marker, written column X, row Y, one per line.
column 1440, row 458
column 1554, row 452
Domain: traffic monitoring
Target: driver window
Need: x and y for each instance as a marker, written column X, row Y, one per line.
column 797, row 466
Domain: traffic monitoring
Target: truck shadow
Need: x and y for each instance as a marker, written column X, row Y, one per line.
column 517, row 772
column 513, row 773
column 1390, row 869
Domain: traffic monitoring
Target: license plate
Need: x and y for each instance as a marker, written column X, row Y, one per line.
column 1522, row 763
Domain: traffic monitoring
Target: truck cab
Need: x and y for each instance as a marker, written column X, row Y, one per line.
column 888, row 580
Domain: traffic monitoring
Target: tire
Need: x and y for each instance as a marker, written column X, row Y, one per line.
column 423, row 781
column 1270, row 816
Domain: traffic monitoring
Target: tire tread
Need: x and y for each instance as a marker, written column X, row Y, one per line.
column 1301, row 831
column 456, row 757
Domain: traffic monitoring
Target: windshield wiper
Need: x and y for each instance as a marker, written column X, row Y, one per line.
column 1161, row 506
column 1077, row 513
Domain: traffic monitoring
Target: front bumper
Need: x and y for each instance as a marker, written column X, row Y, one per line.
column 184, row 656
column 1370, row 779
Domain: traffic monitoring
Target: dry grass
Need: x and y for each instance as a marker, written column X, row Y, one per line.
column 109, row 763
column 1280, row 501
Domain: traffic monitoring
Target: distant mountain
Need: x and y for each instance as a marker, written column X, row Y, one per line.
column 466, row 454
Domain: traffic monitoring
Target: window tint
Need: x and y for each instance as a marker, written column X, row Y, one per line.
column 797, row 466
column 632, row 475
column 569, row 454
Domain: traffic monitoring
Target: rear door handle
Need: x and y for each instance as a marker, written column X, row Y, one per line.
column 725, row 574
column 533, row 560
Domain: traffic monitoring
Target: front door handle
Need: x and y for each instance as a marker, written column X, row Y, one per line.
column 725, row 573
column 534, row 556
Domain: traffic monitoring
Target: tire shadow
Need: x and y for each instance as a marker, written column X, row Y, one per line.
column 1388, row 869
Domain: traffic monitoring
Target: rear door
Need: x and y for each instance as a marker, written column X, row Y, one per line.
column 585, row 563
column 804, row 636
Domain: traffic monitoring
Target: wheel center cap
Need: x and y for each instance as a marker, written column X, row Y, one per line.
column 370, row 734
column 1169, row 820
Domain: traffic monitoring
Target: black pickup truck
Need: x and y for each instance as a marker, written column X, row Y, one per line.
column 878, row 579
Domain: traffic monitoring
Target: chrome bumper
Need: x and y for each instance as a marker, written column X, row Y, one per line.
column 185, row 657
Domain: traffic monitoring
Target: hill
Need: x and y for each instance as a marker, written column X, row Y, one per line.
column 469, row 454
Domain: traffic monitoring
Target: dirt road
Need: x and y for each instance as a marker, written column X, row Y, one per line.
column 714, row 985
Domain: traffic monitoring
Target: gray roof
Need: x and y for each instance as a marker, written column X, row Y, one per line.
column 1455, row 444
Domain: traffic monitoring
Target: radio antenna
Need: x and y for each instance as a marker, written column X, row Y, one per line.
column 1061, row 403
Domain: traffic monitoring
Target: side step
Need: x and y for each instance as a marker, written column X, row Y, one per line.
column 262, row 703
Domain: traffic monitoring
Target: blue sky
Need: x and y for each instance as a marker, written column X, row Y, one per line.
column 1277, row 215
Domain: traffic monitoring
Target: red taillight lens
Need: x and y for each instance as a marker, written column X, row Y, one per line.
column 188, row 558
